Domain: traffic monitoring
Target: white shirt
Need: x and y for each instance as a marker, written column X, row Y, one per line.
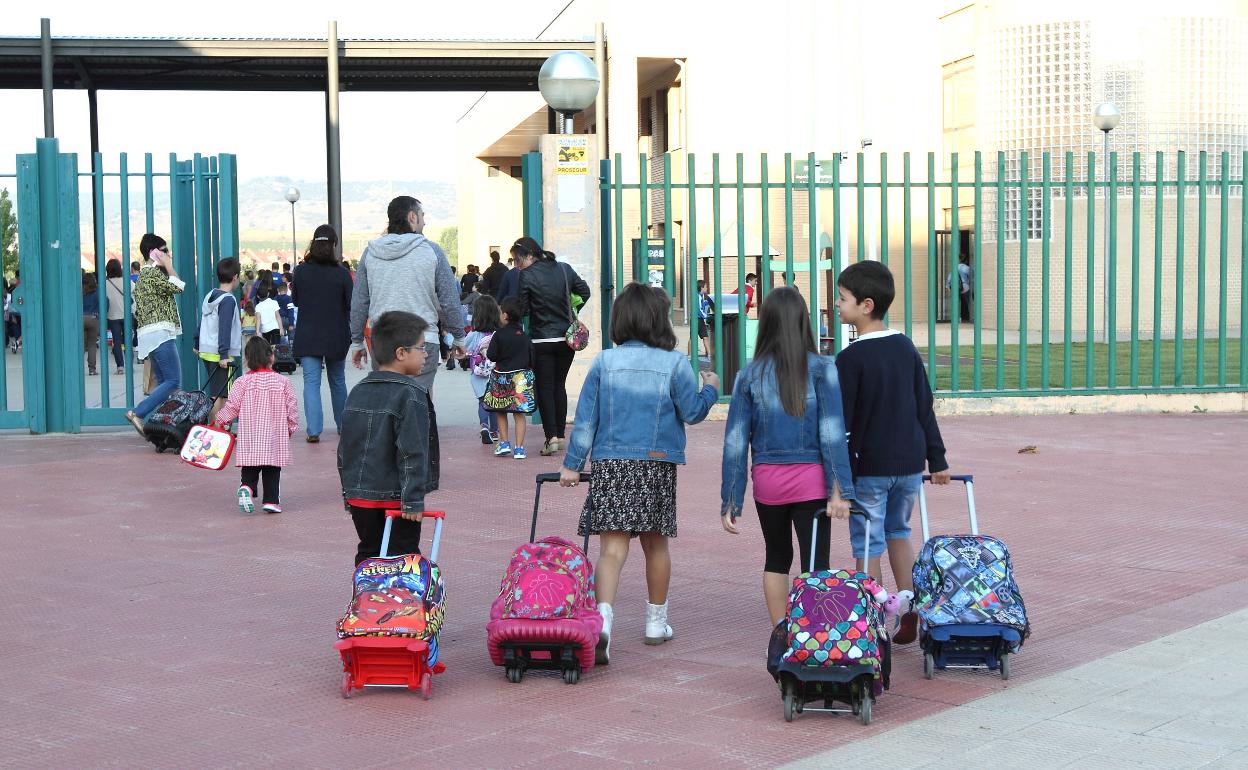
column 267, row 315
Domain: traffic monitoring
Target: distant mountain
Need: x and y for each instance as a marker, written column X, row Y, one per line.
column 264, row 214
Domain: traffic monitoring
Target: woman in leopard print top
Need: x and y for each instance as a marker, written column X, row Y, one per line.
column 156, row 316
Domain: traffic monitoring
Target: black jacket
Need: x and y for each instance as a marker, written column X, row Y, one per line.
column 492, row 279
column 544, row 289
column 389, row 444
column 510, row 349
column 323, row 295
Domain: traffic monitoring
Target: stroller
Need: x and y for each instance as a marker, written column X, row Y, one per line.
column 389, row 634
column 832, row 644
column 971, row 614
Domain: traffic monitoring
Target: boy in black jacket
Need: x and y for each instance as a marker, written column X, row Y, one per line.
column 388, row 453
column 892, row 429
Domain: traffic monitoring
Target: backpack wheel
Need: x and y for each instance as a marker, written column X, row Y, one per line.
column 790, row 706
column 1004, row 663
column 864, row 710
column 571, row 675
column 426, row 685
column 514, row 674
column 346, row 684
column 929, row 665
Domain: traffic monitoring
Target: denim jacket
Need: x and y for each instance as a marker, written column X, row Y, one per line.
column 757, row 422
column 389, row 444
column 634, row 405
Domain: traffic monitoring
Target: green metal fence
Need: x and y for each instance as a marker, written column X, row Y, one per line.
column 55, row 392
column 1052, row 312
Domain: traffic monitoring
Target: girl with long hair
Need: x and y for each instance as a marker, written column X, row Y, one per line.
column 321, row 289
column 786, row 413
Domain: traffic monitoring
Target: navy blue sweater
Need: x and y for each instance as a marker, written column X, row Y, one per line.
column 888, row 408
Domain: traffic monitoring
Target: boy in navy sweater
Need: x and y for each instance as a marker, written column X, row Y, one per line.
column 892, row 429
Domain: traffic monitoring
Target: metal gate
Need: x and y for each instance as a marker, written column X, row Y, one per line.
column 56, row 392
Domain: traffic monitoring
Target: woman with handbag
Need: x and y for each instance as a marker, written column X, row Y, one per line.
column 322, row 292
column 547, row 288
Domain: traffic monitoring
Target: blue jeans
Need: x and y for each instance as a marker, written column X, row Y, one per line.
column 889, row 500
column 168, row 372
column 485, row 418
column 335, row 370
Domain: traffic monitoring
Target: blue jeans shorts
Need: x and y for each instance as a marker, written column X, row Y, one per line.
column 889, row 500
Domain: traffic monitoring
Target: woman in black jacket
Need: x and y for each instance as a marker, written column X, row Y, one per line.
column 322, row 292
column 546, row 287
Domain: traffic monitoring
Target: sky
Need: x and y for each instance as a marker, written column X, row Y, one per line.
column 406, row 135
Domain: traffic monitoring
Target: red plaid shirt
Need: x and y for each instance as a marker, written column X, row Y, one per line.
column 263, row 401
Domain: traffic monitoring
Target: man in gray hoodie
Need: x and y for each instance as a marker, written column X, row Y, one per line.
column 404, row 270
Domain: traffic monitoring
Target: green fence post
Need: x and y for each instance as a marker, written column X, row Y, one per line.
column 182, row 245
column 861, row 193
column 227, row 176
column 101, row 283
column 604, row 238
column 1046, row 193
column 955, row 294
column 692, row 255
column 1000, row 271
column 764, row 191
column 205, row 269
column 1089, row 380
column 643, row 211
column 742, row 315
column 884, row 212
column 1135, row 269
column 1111, row 275
column 907, row 244
column 1201, row 243
column 531, row 179
column 669, row 244
column 149, row 195
column 1158, row 197
column 127, row 316
column 1224, row 194
column 834, row 315
column 62, row 289
column 1024, row 224
column 1243, row 271
column 1068, row 266
column 617, row 197
column 976, row 277
column 717, row 268
column 1180, row 205
column 931, row 269
column 32, row 243
column 812, row 239
column 788, row 219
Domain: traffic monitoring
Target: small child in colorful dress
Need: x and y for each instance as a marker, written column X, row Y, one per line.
column 510, row 389
column 263, row 402
column 485, row 321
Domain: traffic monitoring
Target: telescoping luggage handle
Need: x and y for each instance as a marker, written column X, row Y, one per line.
column 969, row 481
column 543, row 478
column 394, row 513
column 866, row 540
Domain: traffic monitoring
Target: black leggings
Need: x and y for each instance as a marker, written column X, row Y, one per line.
column 551, row 362
column 272, row 480
column 370, row 523
column 777, row 520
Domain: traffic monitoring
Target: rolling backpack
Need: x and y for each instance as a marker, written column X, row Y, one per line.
column 551, row 578
column 168, row 425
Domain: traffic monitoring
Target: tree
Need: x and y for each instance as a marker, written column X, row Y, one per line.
column 448, row 239
column 8, row 234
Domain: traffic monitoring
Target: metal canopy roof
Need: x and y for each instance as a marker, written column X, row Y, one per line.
column 281, row 64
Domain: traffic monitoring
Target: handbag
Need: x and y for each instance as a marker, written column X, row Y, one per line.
column 207, row 447
column 577, row 335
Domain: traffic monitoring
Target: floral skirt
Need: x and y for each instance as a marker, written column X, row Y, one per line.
column 510, row 392
column 632, row 496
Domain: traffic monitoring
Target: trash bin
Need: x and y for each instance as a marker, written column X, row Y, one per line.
column 732, row 351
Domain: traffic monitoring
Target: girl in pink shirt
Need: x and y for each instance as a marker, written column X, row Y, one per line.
column 263, row 402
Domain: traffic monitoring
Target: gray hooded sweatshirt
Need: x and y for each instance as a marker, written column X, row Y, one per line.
column 406, row 272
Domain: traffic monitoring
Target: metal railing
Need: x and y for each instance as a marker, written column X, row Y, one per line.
column 1016, row 343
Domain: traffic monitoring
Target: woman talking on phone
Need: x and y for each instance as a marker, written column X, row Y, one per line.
column 158, row 324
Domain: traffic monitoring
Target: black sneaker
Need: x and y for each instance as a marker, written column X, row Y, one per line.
column 485, row 436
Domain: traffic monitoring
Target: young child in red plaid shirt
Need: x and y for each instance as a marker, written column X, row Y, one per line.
column 263, row 401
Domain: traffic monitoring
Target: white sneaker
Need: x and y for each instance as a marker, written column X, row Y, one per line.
column 602, row 655
column 245, row 502
column 657, row 629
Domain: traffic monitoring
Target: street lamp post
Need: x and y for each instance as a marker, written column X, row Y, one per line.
column 569, row 83
column 292, row 195
column 1105, row 119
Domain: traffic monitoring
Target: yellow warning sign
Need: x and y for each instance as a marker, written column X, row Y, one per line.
column 572, row 156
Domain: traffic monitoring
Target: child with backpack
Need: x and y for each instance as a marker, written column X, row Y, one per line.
column 892, row 429
column 219, row 338
column 286, row 308
column 510, row 389
column 486, row 319
column 786, row 414
column 631, row 417
column 387, row 454
column 263, row 402
column 268, row 314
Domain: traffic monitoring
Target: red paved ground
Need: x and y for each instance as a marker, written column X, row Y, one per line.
column 152, row 625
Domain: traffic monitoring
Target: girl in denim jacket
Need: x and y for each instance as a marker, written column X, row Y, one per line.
column 631, row 417
column 786, row 410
